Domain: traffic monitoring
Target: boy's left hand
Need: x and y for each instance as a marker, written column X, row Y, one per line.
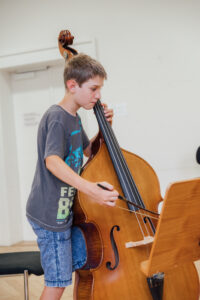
column 108, row 113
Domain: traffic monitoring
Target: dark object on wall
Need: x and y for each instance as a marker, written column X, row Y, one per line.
column 198, row 155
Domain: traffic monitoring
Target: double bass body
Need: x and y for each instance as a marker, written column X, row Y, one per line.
column 124, row 280
column 112, row 271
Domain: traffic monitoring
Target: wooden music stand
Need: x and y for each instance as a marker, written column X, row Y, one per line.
column 177, row 238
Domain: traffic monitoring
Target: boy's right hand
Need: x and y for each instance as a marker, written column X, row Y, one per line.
column 102, row 196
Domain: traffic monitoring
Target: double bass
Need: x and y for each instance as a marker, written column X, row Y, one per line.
column 113, row 269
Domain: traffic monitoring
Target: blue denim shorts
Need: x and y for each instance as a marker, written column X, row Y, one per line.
column 61, row 253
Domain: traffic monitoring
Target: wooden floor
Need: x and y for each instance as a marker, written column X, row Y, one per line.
column 12, row 288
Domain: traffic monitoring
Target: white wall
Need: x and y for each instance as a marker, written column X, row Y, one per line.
column 10, row 210
column 150, row 50
column 4, row 222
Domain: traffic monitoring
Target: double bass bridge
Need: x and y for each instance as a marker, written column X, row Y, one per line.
column 146, row 241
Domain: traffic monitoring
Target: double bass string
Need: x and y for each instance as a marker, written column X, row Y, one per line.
column 131, row 183
column 104, row 123
column 128, row 201
column 113, row 149
column 107, row 130
column 125, row 168
column 121, row 161
column 136, row 212
column 124, row 199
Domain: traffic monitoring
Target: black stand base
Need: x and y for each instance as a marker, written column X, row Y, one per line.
column 156, row 283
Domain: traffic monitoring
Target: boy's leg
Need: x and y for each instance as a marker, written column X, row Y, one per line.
column 52, row 293
column 56, row 260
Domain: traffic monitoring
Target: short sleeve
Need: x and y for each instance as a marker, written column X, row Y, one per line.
column 85, row 138
column 55, row 140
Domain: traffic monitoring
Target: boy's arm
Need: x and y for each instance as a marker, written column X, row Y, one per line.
column 62, row 171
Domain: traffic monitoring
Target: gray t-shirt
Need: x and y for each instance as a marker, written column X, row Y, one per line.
column 50, row 201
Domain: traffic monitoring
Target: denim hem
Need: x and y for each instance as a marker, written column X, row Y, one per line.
column 78, row 265
column 58, row 283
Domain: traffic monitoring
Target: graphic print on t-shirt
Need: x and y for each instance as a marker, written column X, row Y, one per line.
column 73, row 160
column 65, row 203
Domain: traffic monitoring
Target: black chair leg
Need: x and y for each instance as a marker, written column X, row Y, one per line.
column 26, row 293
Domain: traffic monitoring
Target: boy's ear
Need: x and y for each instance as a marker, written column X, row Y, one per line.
column 71, row 84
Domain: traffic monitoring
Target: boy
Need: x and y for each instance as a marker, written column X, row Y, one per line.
column 61, row 144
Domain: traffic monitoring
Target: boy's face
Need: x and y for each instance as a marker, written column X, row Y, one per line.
column 87, row 95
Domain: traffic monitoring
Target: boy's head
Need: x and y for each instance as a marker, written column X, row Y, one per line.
column 81, row 68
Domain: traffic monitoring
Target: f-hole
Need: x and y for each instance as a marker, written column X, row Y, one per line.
column 115, row 250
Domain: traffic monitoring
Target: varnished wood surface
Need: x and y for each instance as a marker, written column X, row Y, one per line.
column 178, row 232
column 12, row 288
column 127, row 280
